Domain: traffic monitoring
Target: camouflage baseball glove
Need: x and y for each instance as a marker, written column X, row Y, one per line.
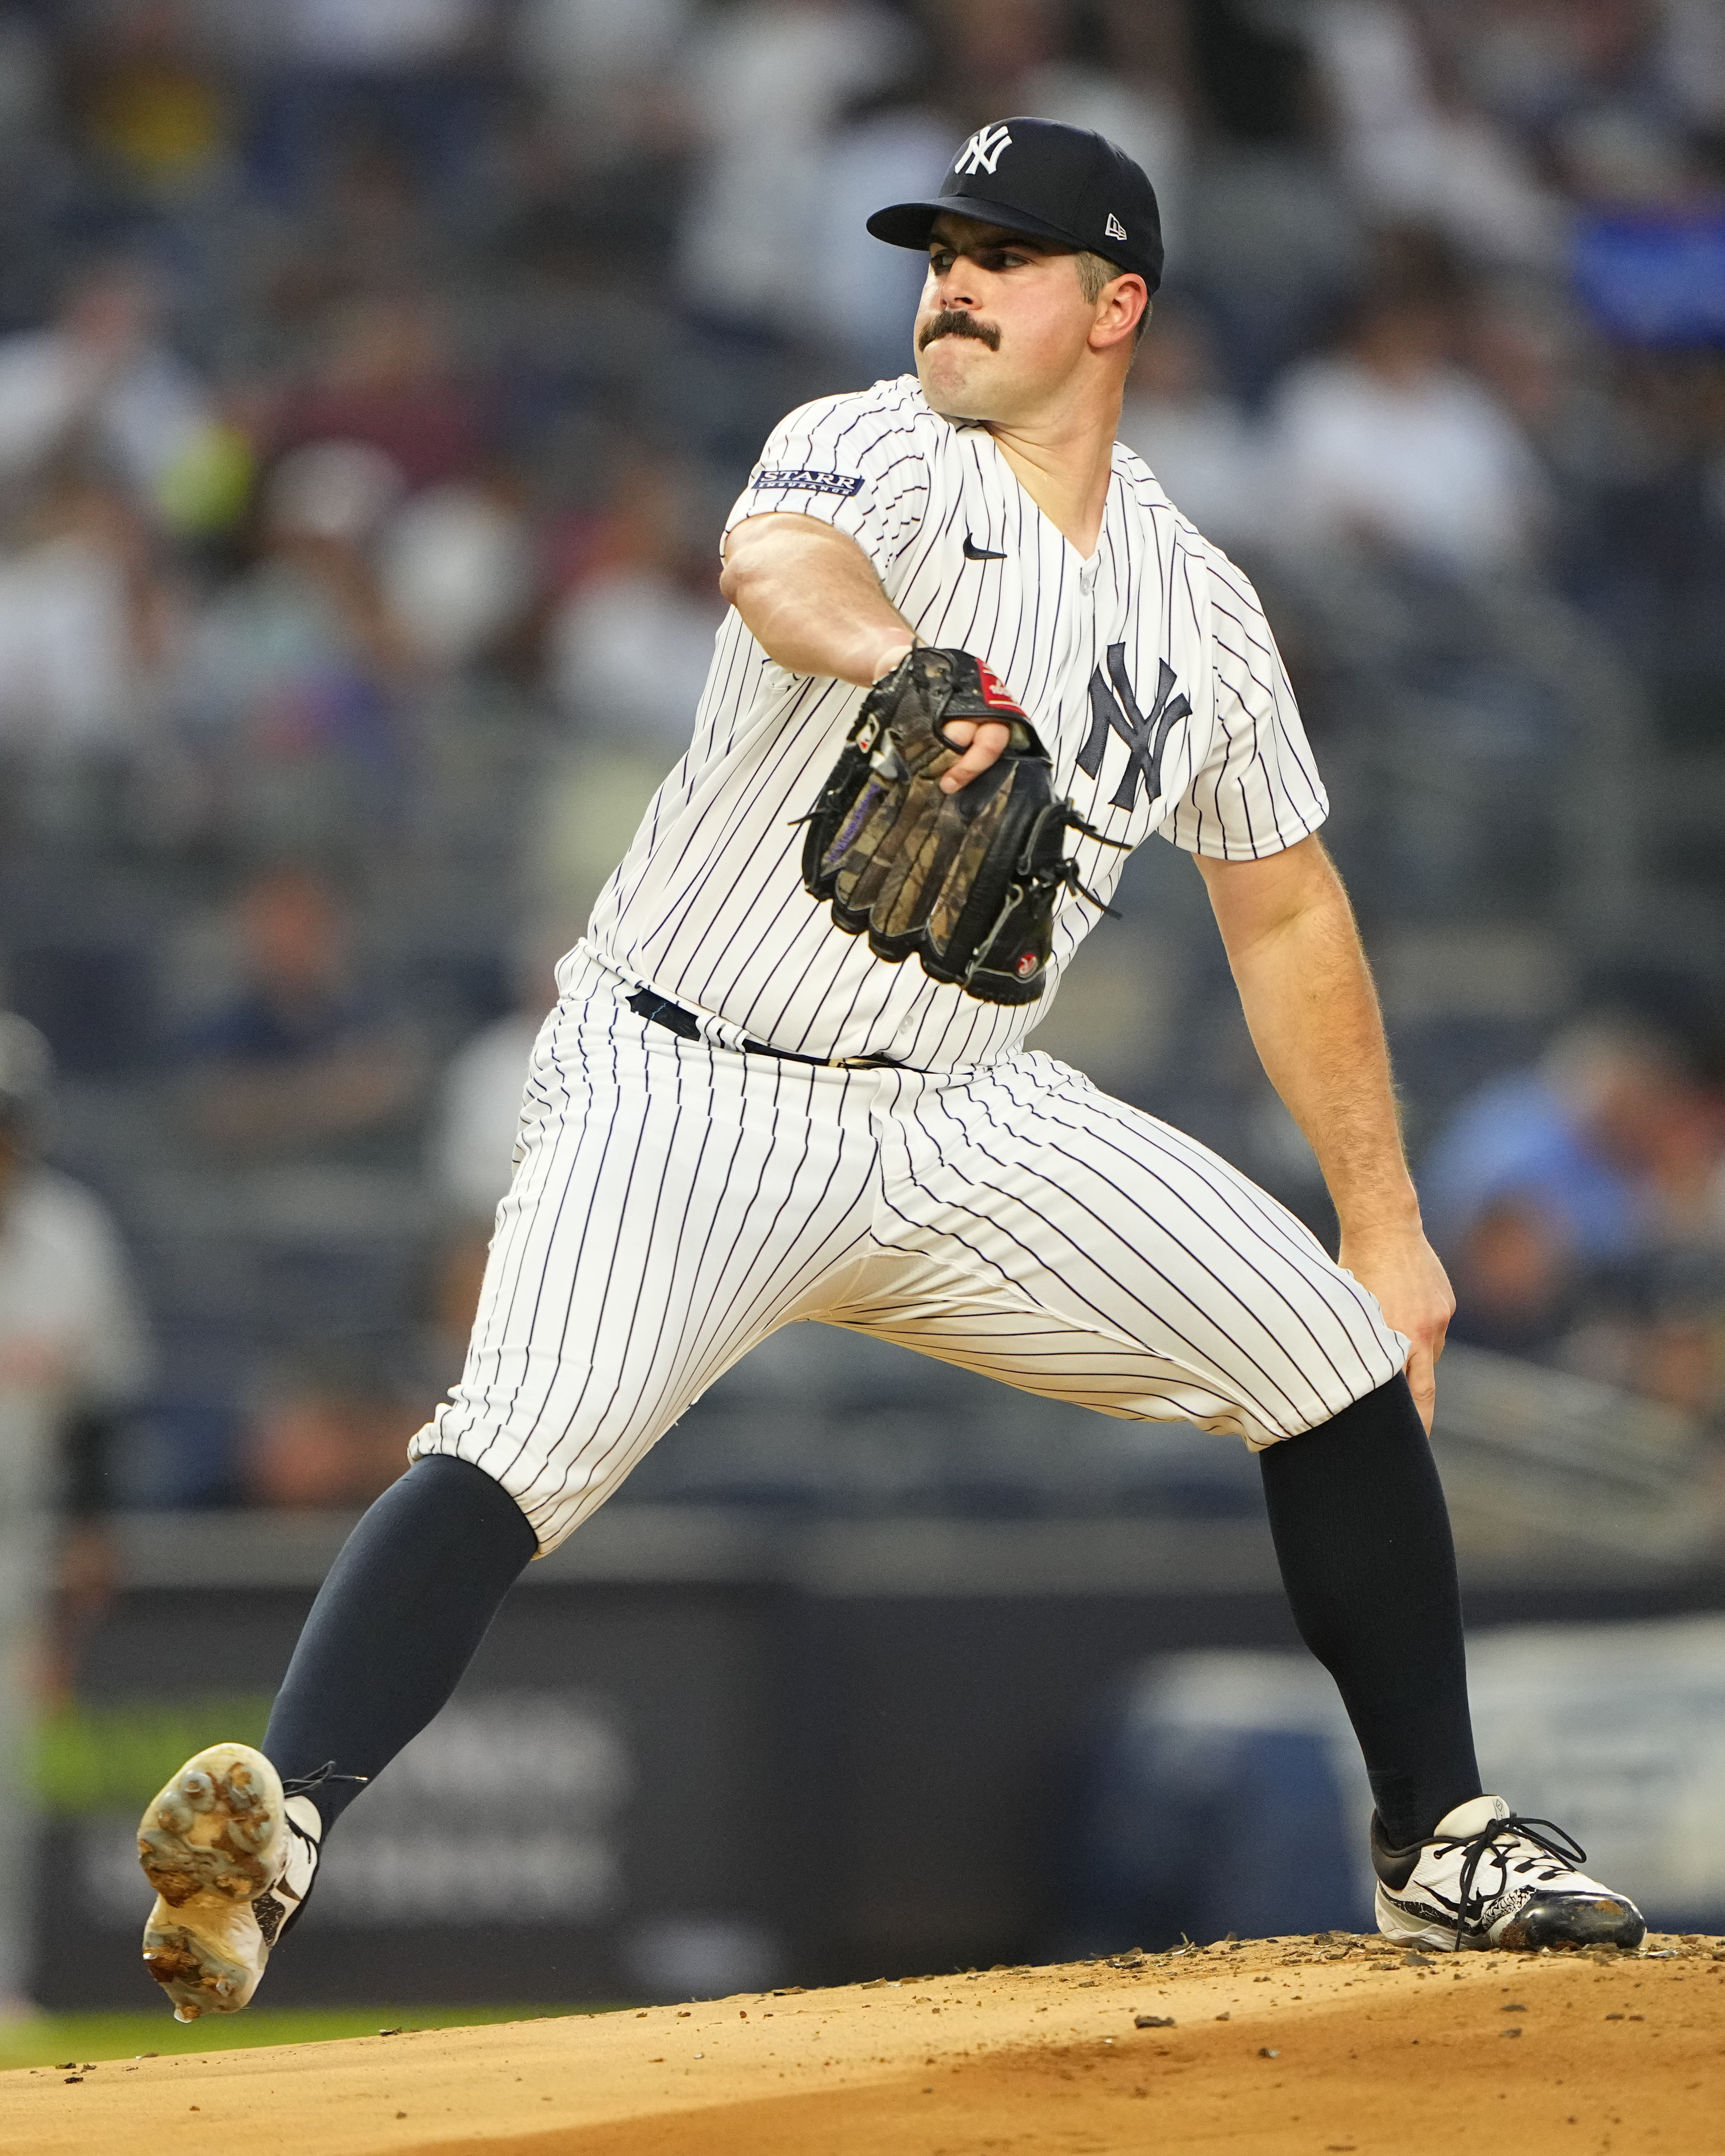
column 967, row 882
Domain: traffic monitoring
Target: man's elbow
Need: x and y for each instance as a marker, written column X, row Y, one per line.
column 753, row 551
column 735, row 578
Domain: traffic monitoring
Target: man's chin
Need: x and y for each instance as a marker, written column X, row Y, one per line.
column 954, row 383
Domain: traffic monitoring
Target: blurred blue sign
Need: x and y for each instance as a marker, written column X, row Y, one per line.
column 1654, row 277
column 1245, row 1762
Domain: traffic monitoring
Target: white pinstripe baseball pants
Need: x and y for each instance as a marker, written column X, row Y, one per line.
column 674, row 1202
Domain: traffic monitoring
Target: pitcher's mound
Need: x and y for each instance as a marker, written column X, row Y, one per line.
column 1267, row 2048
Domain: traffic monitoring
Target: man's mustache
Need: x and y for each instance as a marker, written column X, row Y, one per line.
column 953, row 321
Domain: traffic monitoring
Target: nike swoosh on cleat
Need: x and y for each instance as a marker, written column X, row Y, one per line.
column 973, row 553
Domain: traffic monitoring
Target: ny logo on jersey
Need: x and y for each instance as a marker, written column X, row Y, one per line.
column 1116, row 712
column 981, row 152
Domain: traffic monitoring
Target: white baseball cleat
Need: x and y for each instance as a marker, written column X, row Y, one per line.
column 232, row 1856
column 1484, row 1878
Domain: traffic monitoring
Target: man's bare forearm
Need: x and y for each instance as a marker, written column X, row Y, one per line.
column 1307, row 995
column 809, row 597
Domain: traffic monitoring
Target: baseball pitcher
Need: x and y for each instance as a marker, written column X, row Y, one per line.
column 973, row 657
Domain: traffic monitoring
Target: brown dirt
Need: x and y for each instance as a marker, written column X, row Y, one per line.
column 1276, row 2048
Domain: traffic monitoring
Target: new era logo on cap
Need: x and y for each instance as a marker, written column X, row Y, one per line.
column 1113, row 230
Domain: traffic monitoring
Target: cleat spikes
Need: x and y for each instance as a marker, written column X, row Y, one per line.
column 232, row 1859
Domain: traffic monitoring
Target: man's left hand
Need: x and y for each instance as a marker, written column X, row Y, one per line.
column 1413, row 1290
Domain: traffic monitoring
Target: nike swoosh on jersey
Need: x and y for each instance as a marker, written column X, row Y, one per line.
column 973, row 553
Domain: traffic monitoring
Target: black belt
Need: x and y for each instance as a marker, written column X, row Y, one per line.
column 660, row 1010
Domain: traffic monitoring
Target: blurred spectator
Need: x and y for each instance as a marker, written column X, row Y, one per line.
column 26, row 85
column 380, row 36
column 1649, row 566
column 480, row 1106
column 626, row 660
column 1527, row 350
column 85, row 627
column 296, row 671
column 1415, row 151
column 1597, row 82
column 1272, row 239
column 343, row 70
column 606, row 69
column 1531, row 61
column 1208, row 456
column 101, row 380
column 630, row 647
column 1533, row 1182
column 470, row 1156
column 457, row 569
column 1691, row 62
column 153, row 99
column 1582, row 1206
column 862, row 293
column 280, row 276
column 1389, row 447
column 766, row 81
column 329, row 1432
column 72, row 1355
column 302, row 1062
column 384, row 378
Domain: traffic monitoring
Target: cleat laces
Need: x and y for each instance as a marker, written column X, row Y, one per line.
column 278, row 1906
column 303, row 1785
column 1552, row 1853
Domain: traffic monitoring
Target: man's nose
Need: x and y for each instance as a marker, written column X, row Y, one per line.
column 957, row 285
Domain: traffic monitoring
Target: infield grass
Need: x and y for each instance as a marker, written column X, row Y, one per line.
column 52, row 2039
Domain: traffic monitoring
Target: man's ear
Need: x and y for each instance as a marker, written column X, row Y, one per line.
column 1110, row 298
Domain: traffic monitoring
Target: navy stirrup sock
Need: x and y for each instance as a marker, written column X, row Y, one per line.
column 1362, row 1537
column 398, row 1620
column 1362, row 1534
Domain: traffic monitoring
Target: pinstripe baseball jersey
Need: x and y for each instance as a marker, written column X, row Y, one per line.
column 1148, row 670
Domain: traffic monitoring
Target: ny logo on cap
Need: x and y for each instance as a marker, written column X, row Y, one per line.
column 1113, row 230
column 981, row 152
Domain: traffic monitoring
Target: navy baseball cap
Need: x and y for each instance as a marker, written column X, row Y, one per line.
column 1053, row 181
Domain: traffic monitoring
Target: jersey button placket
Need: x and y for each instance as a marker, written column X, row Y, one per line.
column 1076, row 636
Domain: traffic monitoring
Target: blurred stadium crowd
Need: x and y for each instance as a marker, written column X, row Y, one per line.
column 374, row 377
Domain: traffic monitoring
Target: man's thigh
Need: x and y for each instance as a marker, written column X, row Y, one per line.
column 1073, row 1245
column 672, row 1205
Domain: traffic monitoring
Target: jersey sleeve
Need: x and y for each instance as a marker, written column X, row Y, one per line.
column 1257, row 791
column 852, row 463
